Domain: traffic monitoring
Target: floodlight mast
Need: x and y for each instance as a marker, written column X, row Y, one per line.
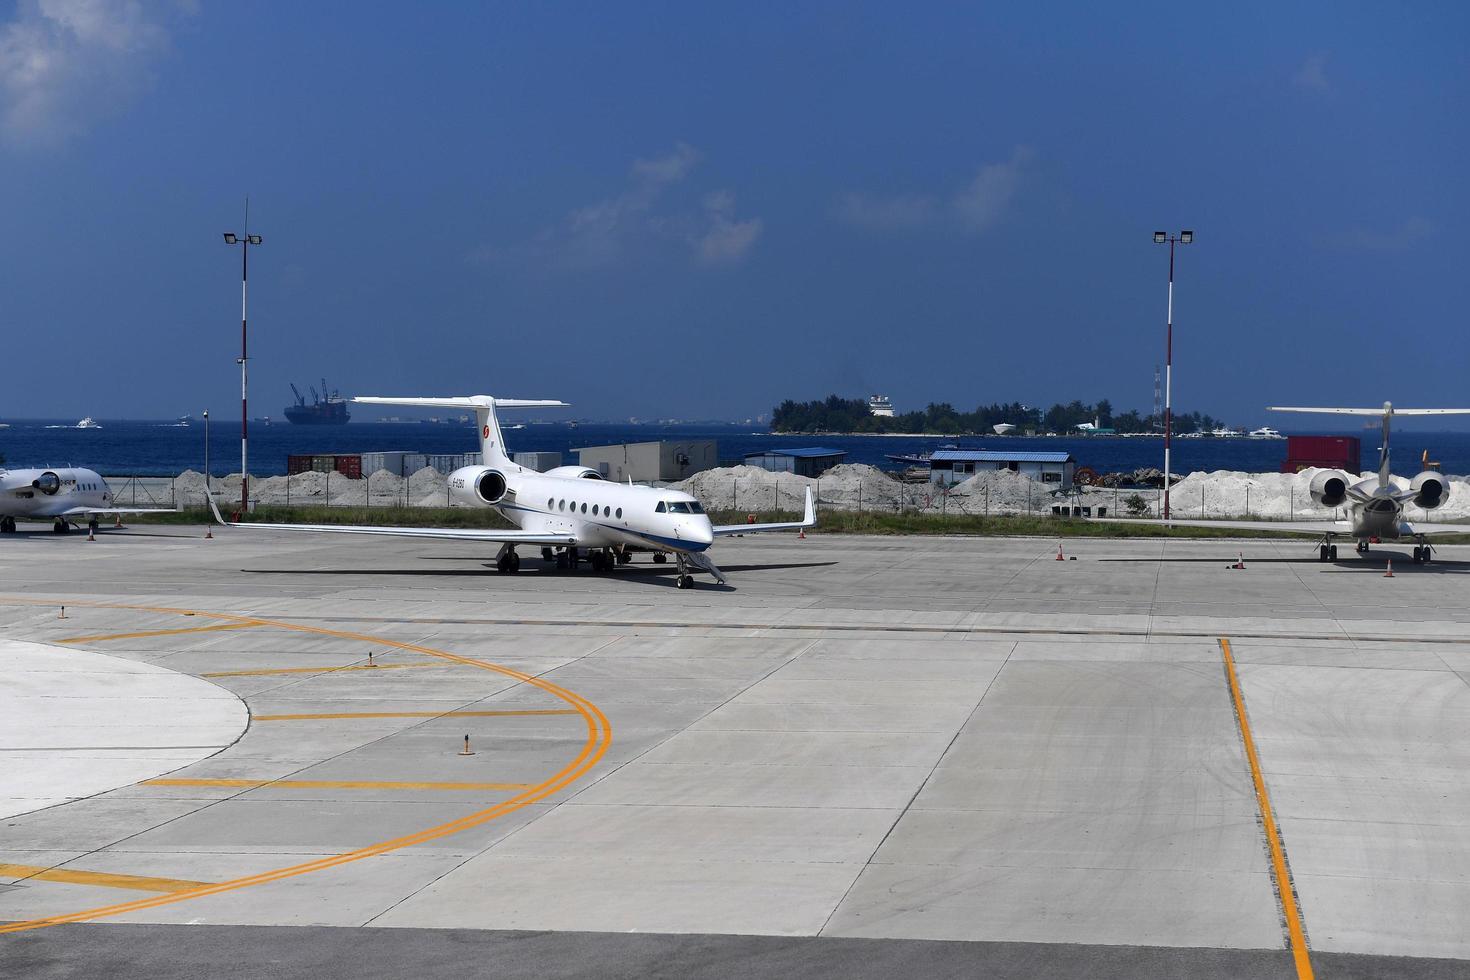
column 244, row 241
column 1161, row 238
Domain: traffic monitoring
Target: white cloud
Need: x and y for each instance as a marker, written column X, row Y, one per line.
column 984, row 200
column 726, row 240
column 902, row 213
column 667, row 169
column 65, row 63
column 975, row 207
column 643, row 216
column 1312, row 75
column 1406, row 234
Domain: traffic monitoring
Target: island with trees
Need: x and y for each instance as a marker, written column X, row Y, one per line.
column 835, row 414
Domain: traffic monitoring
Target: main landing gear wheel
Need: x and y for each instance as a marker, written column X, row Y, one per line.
column 1362, row 547
column 1421, row 554
column 624, row 557
column 7, row 525
column 508, row 563
column 561, row 561
column 686, row 581
column 60, row 527
column 1327, row 552
column 659, row 557
column 92, row 526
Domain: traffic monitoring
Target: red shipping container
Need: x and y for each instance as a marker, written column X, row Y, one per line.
column 1327, row 452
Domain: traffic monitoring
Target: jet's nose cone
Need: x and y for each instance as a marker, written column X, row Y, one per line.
column 702, row 533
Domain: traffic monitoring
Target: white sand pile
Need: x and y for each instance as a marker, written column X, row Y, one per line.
column 1220, row 494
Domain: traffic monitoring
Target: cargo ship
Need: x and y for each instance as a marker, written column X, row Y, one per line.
column 326, row 408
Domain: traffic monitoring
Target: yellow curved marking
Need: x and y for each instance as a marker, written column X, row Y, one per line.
column 1284, row 888
column 599, row 737
column 100, row 879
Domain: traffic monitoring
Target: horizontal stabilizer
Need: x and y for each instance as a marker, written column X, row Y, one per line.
column 1381, row 410
column 464, row 401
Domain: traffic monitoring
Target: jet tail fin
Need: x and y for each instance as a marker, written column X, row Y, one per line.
column 492, row 443
column 1388, row 412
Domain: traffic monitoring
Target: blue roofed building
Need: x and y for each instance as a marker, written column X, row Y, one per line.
column 948, row 466
column 812, row 461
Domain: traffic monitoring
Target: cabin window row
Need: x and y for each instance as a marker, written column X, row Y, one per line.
column 597, row 511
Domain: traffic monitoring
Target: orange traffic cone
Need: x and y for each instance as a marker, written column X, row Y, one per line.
column 209, row 534
column 1240, row 561
column 1389, row 573
column 1059, row 552
column 801, row 536
column 117, row 521
column 91, row 535
column 466, row 750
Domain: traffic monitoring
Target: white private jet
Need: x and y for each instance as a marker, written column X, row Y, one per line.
column 66, row 495
column 1375, row 505
column 571, row 513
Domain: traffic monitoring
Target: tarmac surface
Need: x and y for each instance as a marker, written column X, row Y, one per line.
column 869, row 756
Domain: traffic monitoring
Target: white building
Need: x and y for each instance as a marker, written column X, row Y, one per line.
column 880, row 405
column 949, row 466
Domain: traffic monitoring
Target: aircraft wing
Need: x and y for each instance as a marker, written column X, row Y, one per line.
column 1300, row 527
column 84, row 511
column 1424, row 527
column 487, row 535
column 809, row 519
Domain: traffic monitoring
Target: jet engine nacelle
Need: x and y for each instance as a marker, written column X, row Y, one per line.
column 575, row 473
column 48, row 483
column 1430, row 490
column 478, row 485
column 1329, row 488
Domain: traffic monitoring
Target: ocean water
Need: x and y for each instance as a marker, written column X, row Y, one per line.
column 144, row 448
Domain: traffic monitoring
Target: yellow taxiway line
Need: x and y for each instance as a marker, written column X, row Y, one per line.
column 415, row 714
column 313, row 670
column 144, row 634
column 328, row 784
column 1291, row 911
column 140, row 883
column 594, row 747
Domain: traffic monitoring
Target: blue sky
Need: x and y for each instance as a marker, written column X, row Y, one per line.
column 690, row 210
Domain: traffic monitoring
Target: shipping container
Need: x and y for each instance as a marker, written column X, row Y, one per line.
column 540, row 462
column 348, row 464
column 1325, row 452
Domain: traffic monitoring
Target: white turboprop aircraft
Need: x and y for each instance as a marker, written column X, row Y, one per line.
column 570, row 512
column 1375, row 506
column 65, row 495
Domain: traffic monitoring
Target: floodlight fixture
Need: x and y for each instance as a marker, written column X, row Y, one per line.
column 1159, row 236
column 1185, row 237
column 255, row 239
column 230, row 238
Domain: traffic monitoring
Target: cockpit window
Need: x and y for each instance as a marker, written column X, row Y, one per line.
column 678, row 507
column 660, row 508
column 695, row 508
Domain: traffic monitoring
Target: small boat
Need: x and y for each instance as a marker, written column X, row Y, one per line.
column 1224, row 433
column 1266, row 432
column 88, row 423
column 1003, row 428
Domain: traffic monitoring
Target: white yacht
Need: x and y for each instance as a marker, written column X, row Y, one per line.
column 1225, row 433
column 88, row 423
column 1266, row 432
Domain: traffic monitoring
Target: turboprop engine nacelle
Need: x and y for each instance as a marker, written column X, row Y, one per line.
column 1329, row 488
column 478, row 485
column 1430, row 490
